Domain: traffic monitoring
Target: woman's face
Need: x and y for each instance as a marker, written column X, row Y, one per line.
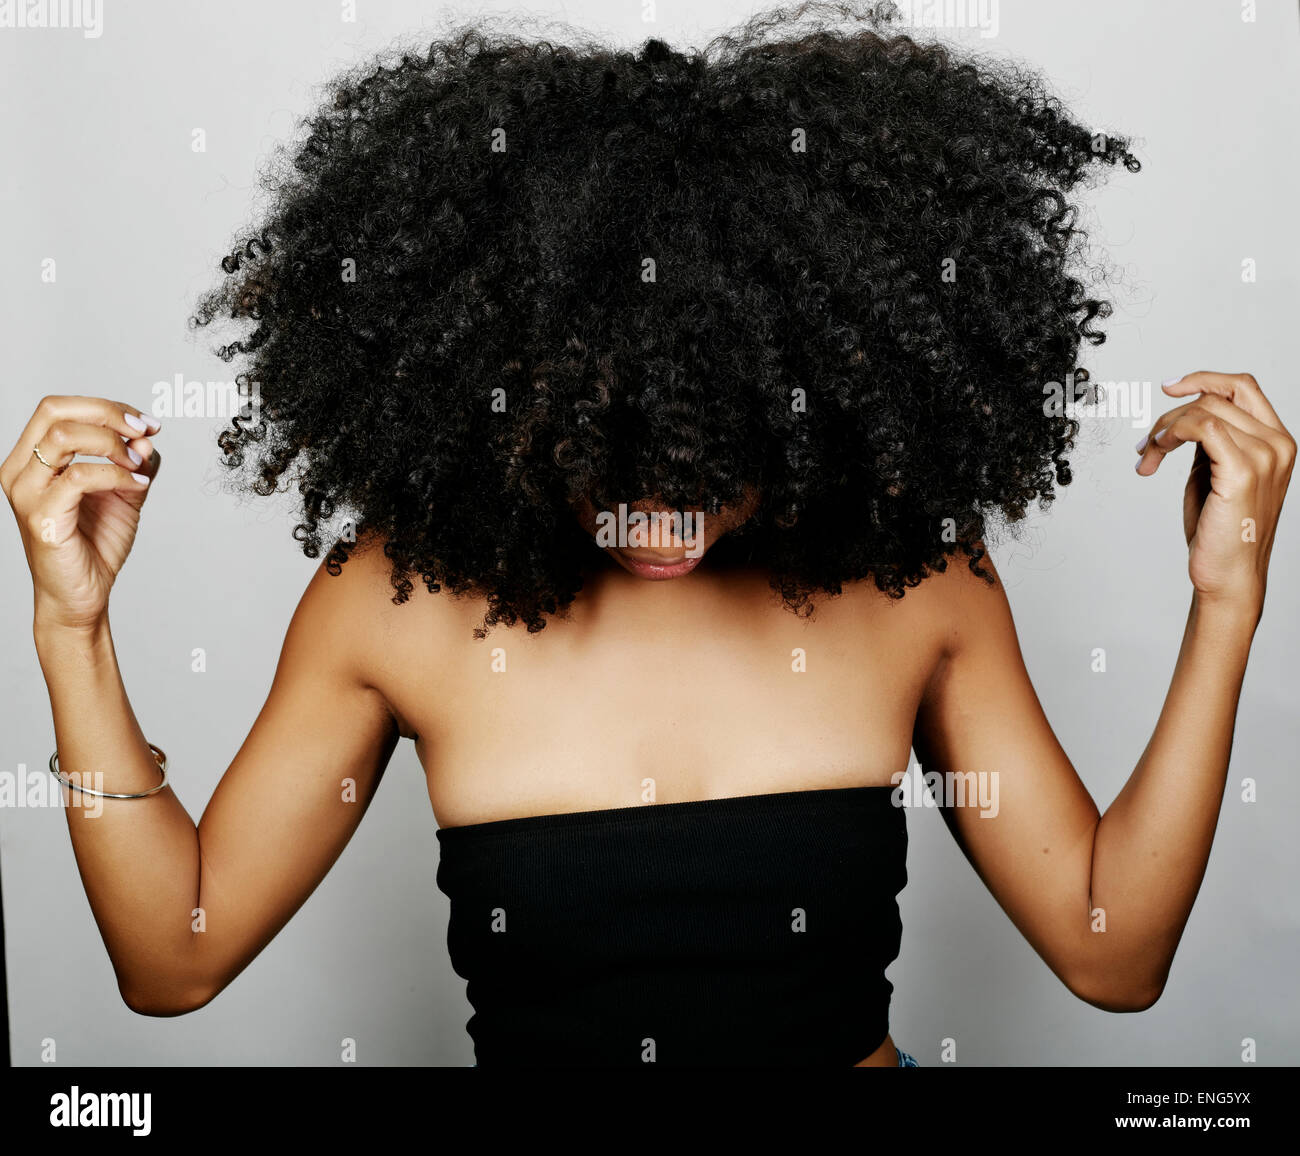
column 654, row 542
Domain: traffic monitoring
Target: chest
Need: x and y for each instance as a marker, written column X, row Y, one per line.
column 523, row 724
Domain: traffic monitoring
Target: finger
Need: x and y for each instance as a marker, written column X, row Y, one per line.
column 1239, row 418
column 1272, row 448
column 1150, row 447
column 1239, row 388
column 63, row 440
column 1174, row 429
column 1262, row 442
column 1212, row 433
column 1161, row 423
column 82, row 478
column 61, row 443
column 125, row 420
column 147, row 470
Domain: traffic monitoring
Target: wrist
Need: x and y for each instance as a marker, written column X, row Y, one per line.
column 1238, row 613
column 87, row 640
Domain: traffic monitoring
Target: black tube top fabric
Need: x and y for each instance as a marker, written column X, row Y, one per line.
column 745, row 931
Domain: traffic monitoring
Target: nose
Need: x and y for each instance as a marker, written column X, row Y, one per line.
column 666, row 537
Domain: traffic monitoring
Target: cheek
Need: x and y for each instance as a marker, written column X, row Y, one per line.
column 585, row 513
column 722, row 524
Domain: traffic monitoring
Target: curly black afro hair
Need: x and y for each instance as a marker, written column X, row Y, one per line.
column 503, row 275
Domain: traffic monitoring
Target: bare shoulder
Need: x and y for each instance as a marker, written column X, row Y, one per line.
column 968, row 610
column 966, row 583
column 364, row 586
column 949, row 607
column 386, row 641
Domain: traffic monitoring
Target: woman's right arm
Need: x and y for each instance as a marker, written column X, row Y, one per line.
column 182, row 910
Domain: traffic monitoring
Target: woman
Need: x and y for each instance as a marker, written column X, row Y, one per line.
column 812, row 298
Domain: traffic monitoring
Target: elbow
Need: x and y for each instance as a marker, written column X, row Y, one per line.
column 163, row 1003
column 1136, row 1000
column 1113, row 993
column 179, row 985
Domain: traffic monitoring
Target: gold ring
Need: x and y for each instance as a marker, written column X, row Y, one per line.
column 41, row 458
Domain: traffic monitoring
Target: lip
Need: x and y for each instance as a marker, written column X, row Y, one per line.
column 658, row 571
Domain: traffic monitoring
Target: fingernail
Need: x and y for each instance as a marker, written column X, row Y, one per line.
column 1171, row 381
column 154, row 424
column 136, row 459
column 143, row 479
column 1143, row 443
column 135, row 422
column 1137, row 465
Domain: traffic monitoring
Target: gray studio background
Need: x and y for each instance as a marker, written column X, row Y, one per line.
column 97, row 171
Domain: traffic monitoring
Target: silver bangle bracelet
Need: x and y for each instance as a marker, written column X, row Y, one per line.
column 159, row 757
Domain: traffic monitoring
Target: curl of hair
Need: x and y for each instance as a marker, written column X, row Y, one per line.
column 585, row 272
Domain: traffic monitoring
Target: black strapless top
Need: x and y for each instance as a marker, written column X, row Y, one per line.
column 747, row 931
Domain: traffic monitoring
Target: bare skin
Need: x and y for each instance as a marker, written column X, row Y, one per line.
column 687, row 683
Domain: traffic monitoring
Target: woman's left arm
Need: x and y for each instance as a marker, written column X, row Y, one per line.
column 1104, row 899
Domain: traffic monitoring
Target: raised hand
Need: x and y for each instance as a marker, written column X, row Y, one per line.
column 78, row 519
column 1238, row 480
